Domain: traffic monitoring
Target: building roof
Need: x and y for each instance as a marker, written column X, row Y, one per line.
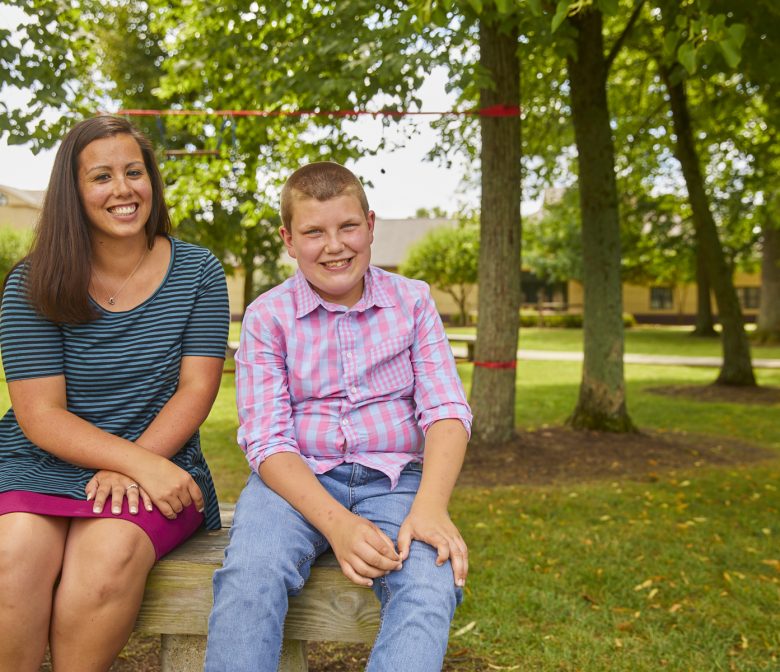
column 30, row 197
column 394, row 237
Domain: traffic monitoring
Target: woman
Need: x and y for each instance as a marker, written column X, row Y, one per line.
column 113, row 337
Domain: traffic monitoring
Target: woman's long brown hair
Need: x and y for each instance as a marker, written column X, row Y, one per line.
column 58, row 269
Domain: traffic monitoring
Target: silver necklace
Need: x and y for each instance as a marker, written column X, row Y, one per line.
column 111, row 300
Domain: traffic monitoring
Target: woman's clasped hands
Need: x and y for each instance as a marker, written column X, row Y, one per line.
column 165, row 485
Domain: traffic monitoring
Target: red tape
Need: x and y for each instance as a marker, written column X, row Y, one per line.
column 492, row 111
column 497, row 365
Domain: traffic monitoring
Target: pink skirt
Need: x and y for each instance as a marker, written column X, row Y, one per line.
column 164, row 534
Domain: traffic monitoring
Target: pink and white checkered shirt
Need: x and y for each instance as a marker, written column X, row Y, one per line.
column 345, row 385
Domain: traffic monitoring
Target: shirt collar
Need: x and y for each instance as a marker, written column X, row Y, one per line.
column 374, row 294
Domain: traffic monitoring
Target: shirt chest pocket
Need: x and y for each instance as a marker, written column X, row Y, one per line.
column 390, row 365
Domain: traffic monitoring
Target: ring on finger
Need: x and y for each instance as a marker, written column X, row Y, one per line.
column 132, row 485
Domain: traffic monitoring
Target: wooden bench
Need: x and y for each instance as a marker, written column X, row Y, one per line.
column 178, row 600
column 469, row 339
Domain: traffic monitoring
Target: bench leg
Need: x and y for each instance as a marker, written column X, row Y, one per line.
column 182, row 653
column 186, row 653
column 293, row 656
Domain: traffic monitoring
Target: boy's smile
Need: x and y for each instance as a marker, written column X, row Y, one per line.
column 331, row 241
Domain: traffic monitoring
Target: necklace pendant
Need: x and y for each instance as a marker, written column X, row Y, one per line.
column 111, row 301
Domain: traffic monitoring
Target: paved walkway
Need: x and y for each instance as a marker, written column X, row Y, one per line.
column 628, row 358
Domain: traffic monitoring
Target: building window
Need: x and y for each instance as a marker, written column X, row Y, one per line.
column 3, row 199
column 661, row 298
column 749, row 297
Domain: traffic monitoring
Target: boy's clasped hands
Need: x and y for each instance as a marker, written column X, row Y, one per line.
column 365, row 552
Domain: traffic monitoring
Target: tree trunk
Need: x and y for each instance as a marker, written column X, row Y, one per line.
column 705, row 323
column 737, row 368
column 768, row 327
column 463, row 295
column 602, row 399
column 248, row 263
column 498, row 305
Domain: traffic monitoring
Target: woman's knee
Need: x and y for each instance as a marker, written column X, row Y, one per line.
column 31, row 552
column 107, row 562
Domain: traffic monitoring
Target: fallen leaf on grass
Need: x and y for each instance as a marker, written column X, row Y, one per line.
column 675, row 608
column 459, row 654
column 588, row 598
column 499, row 667
column 643, row 585
column 466, row 628
column 772, row 563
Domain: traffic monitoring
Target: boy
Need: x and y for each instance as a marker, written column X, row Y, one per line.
column 344, row 380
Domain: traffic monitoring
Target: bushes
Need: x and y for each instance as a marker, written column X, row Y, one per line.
column 532, row 318
column 13, row 246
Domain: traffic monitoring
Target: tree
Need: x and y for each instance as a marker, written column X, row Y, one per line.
column 498, row 305
column 494, row 82
column 552, row 239
column 689, row 40
column 447, row 258
column 602, row 398
column 768, row 326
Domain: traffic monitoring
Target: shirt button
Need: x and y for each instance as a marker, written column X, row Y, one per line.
column 353, row 390
column 344, row 421
column 349, row 355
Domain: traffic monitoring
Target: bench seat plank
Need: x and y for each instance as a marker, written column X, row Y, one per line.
column 178, row 600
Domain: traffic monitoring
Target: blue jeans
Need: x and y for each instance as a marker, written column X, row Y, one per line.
column 271, row 550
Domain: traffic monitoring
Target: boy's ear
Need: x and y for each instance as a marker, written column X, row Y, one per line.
column 287, row 240
column 371, row 219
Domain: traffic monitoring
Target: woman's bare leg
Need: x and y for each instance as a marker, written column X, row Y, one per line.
column 103, row 577
column 31, row 552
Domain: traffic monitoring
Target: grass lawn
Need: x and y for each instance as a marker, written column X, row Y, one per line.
column 681, row 573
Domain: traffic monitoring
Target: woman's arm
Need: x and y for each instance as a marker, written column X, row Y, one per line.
column 41, row 410
column 185, row 411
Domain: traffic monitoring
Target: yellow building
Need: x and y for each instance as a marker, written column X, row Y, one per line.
column 663, row 304
column 19, row 208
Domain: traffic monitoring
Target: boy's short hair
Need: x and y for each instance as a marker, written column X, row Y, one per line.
column 321, row 180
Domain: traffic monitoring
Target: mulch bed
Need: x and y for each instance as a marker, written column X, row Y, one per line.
column 559, row 455
column 721, row 393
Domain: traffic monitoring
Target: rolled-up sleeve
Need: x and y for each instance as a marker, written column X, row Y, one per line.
column 438, row 391
column 264, row 410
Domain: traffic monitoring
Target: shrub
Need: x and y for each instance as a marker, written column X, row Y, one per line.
column 13, row 246
column 531, row 318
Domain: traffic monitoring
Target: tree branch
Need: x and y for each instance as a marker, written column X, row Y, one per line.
column 619, row 42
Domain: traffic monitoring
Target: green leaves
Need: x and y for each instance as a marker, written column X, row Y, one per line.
column 608, row 7
column 686, row 54
column 731, row 45
column 697, row 38
column 447, row 258
column 561, row 12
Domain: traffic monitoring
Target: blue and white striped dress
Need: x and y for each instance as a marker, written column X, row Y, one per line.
column 120, row 369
